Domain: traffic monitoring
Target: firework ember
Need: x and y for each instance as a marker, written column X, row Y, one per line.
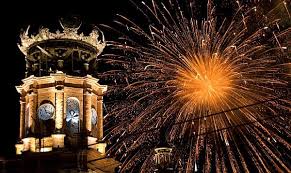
column 220, row 86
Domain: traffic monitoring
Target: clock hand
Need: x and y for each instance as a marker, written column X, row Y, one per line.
column 46, row 112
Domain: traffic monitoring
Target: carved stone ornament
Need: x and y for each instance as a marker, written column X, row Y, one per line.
column 68, row 33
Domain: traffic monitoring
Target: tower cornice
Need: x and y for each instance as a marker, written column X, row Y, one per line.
column 57, row 79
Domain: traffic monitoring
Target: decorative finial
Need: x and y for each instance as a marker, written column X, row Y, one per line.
column 70, row 22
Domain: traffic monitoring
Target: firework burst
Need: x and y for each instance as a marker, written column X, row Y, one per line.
column 208, row 82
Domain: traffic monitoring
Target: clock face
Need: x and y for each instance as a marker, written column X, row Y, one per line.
column 46, row 111
column 94, row 116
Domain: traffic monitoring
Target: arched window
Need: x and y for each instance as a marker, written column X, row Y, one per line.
column 72, row 115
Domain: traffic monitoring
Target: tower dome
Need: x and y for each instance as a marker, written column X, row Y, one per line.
column 67, row 50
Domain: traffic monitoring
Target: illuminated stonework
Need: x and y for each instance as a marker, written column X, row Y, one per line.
column 66, row 51
column 94, row 144
column 68, row 33
column 101, row 147
column 58, row 140
column 56, row 89
column 19, row 148
column 58, row 94
column 163, row 156
column 61, row 104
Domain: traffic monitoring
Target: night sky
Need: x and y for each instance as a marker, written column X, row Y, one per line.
column 40, row 13
column 18, row 16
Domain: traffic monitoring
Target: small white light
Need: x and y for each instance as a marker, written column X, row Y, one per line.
column 274, row 140
column 195, row 167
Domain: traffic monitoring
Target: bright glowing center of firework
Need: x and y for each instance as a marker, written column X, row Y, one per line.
column 205, row 82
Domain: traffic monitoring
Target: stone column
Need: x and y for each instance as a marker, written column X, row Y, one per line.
column 99, row 117
column 59, row 108
column 32, row 110
column 22, row 119
column 87, row 110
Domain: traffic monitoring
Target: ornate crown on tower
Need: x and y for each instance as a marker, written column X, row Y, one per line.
column 68, row 51
column 69, row 33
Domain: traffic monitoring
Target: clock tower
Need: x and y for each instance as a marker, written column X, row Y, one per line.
column 60, row 102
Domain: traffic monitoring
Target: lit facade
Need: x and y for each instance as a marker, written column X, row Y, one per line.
column 57, row 90
column 60, row 102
